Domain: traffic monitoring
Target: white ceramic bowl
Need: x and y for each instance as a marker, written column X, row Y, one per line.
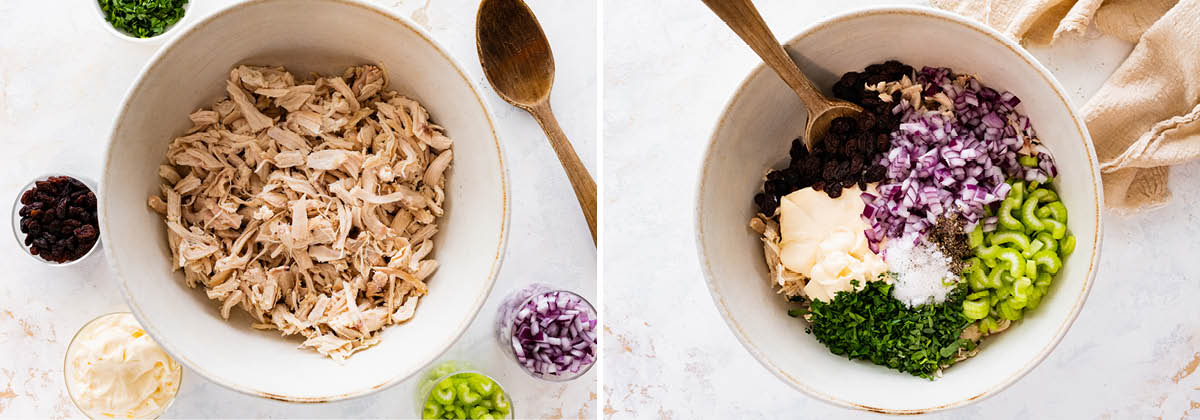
column 754, row 133
column 324, row 36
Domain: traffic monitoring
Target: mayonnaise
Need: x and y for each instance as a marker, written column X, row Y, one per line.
column 822, row 239
column 114, row 370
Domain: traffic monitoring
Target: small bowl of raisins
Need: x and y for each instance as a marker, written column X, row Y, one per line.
column 54, row 219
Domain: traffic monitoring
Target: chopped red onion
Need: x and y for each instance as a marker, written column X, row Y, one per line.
column 551, row 333
column 941, row 165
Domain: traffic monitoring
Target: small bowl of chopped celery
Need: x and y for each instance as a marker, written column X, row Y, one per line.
column 455, row 390
column 142, row 21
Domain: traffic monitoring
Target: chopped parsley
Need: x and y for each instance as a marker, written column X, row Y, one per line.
column 872, row 325
column 142, row 18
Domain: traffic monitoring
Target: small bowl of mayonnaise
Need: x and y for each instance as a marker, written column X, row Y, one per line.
column 114, row 369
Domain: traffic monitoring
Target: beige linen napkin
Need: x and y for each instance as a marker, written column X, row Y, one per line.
column 1146, row 117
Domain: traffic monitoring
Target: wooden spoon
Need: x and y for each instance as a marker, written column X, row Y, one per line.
column 743, row 18
column 517, row 61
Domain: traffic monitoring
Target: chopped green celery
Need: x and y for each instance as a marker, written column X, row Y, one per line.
column 1005, row 217
column 444, row 394
column 1068, row 245
column 1016, row 263
column 469, row 397
column 1009, row 237
column 1043, row 280
column 1031, row 270
column 1035, row 299
column 1057, row 211
column 1017, row 193
column 1049, row 260
column 500, row 402
column 1002, row 293
column 1022, row 288
column 1057, row 229
column 1028, row 161
column 972, row 263
column 975, row 238
column 988, row 324
column 975, row 309
column 977, row 295
column 478, row 412
column 1043, row 195
column 465, row 394
column 432, row 410
column 995, row 278
column 1028, row 218
column 1043, row 212
column 1051, row 244
column 988, row 253
column 976, row 279
column 1034, row 246
column 483, row 385
column 1007, row 311
column 487, row 416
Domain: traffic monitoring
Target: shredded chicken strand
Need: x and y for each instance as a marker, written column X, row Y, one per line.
column 309, row 205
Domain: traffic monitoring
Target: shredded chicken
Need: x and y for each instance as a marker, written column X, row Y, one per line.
column 310, row 205
column 790, row 283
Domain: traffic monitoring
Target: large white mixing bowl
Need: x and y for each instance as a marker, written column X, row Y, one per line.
column 754, row 133
column 324, row 36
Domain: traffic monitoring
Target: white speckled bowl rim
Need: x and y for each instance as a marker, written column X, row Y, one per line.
column 479, row 299
column 1097, row 191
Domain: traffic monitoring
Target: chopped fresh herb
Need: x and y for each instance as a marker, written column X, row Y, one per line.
column 872, row 325
column 142, row 18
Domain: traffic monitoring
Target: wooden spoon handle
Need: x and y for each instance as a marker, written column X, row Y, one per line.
column 743, row 18
column 581, row 180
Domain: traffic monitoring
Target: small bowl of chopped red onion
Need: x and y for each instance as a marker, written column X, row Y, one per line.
column 896, row 172
column 550, row 333
column 54, row 219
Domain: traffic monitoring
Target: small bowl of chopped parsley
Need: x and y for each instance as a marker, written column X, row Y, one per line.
column 142, row 20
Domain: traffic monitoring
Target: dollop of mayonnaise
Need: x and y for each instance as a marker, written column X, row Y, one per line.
column 823, row 239
column 114, row 370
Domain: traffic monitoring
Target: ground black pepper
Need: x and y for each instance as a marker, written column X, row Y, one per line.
column 851, row 151
column 950, row 237
column 59, row 218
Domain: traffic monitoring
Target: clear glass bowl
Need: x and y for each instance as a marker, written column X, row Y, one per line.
column 506, row 317
column 444, row 370
column 16, row 218
column 67, row 370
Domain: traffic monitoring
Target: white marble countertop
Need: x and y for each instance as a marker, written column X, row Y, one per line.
column 61, row 78
column 669, row 68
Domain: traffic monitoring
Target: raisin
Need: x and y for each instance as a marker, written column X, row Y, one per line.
column 850, row 152
column 58, row 217
column 842, row 125
column 834, row 190
column 798, row 150
column 776, row 187
column 85, row 232
column 830, row 170
column 875, row 173
column 766, row 203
